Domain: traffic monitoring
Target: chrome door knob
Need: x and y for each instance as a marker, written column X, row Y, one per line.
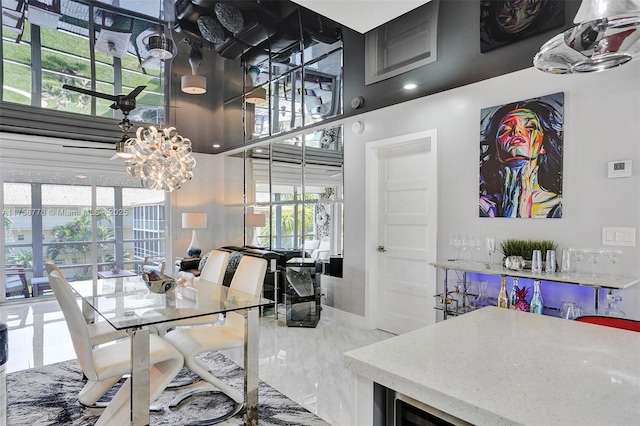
column 381, row 249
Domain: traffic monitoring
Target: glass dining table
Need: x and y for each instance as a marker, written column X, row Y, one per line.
column 127, row 304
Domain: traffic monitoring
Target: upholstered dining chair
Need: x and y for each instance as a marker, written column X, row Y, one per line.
column 193, row 341
column 212, row 273
column 100, row 332
column 105, row 365
column 616, row 322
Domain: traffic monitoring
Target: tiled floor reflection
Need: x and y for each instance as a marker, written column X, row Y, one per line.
column 303, row 363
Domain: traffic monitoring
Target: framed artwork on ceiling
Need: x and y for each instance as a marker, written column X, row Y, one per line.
column 507, row 21
column 521, row 158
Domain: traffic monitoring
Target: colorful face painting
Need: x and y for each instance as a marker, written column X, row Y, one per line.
column 504, row 22
column 521, row 158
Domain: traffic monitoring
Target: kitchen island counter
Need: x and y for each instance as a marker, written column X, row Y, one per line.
column 499, row 366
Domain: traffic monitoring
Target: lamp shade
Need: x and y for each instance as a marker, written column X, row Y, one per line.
column 194, row 220
column 255, row 220
column 193, row 84
column 257, row 96
column 160, row 46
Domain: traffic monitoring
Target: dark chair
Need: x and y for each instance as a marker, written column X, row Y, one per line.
column 616, row 322
column 16, row 281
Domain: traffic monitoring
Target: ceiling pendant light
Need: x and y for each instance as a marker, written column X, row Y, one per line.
column 607, row 35
column 194, row 84
column 256, row 96
column 160, row 46
column 259, row 94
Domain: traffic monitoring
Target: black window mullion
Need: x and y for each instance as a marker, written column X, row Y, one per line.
column 118, row 232
column 92, row 56
column 36, row 67
column 37, row 253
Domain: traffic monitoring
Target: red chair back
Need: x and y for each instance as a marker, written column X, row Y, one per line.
column 624, row 323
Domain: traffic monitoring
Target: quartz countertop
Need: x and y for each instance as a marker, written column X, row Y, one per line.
column 498, row 366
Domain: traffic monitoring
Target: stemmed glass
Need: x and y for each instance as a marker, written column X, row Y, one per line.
column 474, row 246
column 613, row 308
column 578, row 255
column 464, row 245
column 594, row 257
column 490, row 244
column 614, row 256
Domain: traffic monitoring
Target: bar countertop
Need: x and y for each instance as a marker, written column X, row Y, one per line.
column 499, row 366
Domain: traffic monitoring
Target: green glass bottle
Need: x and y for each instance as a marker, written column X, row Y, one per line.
column 503, row 299
column 537, row 305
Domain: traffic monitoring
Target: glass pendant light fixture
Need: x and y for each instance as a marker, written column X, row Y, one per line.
column 606, row 35
column 161, row 159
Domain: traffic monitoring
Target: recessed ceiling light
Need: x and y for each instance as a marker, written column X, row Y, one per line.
column 258, row 150
column 216, row 145
column 409, row 86
column 81, row 176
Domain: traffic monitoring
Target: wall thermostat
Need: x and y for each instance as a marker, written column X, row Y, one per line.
column 617, row 169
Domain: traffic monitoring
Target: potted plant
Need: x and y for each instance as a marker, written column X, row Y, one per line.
column 524, row 248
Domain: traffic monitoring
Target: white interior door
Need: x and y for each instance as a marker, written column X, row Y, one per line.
column 407, row 218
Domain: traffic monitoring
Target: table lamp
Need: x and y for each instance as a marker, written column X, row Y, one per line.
column 254, row 220
column 194, row 221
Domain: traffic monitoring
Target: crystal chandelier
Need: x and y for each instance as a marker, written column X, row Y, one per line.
column 161, row 159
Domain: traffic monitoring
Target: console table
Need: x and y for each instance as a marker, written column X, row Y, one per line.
column 597, row 282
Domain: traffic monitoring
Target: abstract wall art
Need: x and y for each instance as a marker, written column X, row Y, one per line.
column 507, row 21
column 521, row 158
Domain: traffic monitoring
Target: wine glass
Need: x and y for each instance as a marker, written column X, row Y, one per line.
column 613, row 255
column 464, row 245
column 490, row 244
column 458, row 243
column 474, row 247
column 594, row 256
column 613, row 308
column 578, row 255
column 477, row 245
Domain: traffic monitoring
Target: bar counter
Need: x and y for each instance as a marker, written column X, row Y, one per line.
column 504, row 367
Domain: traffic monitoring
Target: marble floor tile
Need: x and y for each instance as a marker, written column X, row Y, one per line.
column 305, row 364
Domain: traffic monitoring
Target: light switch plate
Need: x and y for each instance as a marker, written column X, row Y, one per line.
column 618, row 169
column 619, row 236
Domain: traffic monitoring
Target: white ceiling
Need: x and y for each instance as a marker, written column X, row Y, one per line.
column 361, row 15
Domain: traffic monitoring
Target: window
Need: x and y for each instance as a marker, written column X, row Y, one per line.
column 64, row 215
column 68, row 55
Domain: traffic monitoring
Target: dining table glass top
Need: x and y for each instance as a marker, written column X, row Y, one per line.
column 128, row 303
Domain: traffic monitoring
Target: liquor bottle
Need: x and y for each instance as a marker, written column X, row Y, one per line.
column 503, row 299
column 513, row 294
column 537, row 305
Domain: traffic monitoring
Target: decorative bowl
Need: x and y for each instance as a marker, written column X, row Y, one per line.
column 157, row 282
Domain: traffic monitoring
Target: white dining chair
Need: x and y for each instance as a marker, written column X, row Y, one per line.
column 104, row 366
column 212, row 274
column 193, row 341
column 100, row 332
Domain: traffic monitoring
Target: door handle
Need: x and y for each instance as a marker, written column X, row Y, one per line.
column 381, row 249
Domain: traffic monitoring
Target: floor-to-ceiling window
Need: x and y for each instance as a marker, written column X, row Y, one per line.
column 78, row 223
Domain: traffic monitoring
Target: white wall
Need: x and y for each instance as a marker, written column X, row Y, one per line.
column 602, row 123
column 203, row 194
